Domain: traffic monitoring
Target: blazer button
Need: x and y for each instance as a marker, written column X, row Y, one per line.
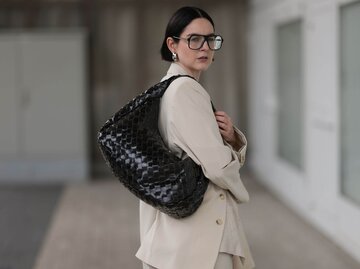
column 222, row 196
column 219, row 221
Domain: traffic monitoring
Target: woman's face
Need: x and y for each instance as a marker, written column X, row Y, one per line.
column 193, row 61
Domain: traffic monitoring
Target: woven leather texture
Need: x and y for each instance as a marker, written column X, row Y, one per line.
column 132, row 146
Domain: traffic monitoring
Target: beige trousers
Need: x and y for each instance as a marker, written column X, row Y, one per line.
column 223, row 261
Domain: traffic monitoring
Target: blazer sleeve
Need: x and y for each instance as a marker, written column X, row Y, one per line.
column 193, row 128
column 242, row 151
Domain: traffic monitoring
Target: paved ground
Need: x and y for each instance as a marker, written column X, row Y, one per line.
column 96, row 226
column 25, row 213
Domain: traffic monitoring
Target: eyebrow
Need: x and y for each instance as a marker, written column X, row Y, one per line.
column 199, row 34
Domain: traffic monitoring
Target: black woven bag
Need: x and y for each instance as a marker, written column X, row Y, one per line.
column 133, row 148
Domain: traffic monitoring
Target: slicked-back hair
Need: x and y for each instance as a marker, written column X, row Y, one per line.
column 177, row 23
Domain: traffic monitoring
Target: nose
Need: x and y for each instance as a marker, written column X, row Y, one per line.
column 205, row 46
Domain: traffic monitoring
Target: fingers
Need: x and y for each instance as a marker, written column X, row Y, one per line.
column 225, row 125
column 220, row 113
column 222, row 125
column 222, row 117
column 226, row 135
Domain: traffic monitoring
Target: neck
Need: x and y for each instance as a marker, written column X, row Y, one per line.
column 194, row 74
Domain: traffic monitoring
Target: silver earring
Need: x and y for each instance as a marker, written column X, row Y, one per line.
column 174, row 56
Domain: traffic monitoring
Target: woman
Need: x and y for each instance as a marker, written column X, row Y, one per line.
column 213, row 236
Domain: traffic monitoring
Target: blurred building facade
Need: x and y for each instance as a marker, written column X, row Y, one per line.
column 304, row 91
column 113, row 47
column 288, row 75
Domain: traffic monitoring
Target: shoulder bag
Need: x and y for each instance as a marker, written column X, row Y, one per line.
column 132, row 146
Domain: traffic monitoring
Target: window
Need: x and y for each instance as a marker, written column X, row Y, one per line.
column 350, row 100
column 290, row 93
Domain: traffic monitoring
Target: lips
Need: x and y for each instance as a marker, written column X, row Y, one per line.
column 203, row 58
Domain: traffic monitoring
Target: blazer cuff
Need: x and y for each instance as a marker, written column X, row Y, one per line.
column 242, row 151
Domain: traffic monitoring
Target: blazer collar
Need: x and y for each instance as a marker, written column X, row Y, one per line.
column 176, row 69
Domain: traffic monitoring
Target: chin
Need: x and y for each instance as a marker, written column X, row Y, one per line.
column 203, row 66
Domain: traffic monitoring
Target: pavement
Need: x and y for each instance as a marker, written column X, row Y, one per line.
column 25, row 216
column 96, row 225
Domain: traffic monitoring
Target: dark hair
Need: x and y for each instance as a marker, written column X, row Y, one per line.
column 177, row 23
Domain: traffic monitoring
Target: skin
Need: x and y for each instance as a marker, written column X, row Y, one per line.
column 196, row 61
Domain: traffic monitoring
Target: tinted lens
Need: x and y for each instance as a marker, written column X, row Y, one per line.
column 215, row 42
column 196, row 41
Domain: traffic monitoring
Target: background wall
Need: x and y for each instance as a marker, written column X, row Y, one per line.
column 314, row 72
column 122, row 51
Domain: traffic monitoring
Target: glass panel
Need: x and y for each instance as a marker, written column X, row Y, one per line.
column 350, row 100
column 290, row 93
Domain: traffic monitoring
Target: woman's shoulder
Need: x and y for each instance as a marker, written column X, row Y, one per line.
column 186, row 86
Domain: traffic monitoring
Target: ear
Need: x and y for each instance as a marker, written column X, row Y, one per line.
column 172, row 45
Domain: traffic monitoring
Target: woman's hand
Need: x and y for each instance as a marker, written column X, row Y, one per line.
column 226, row 128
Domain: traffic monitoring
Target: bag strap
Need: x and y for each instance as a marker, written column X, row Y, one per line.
column 213, row 107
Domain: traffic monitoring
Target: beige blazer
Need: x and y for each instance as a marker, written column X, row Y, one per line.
column 188, row 126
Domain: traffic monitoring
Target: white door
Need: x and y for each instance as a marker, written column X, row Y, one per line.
column 44, row 113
